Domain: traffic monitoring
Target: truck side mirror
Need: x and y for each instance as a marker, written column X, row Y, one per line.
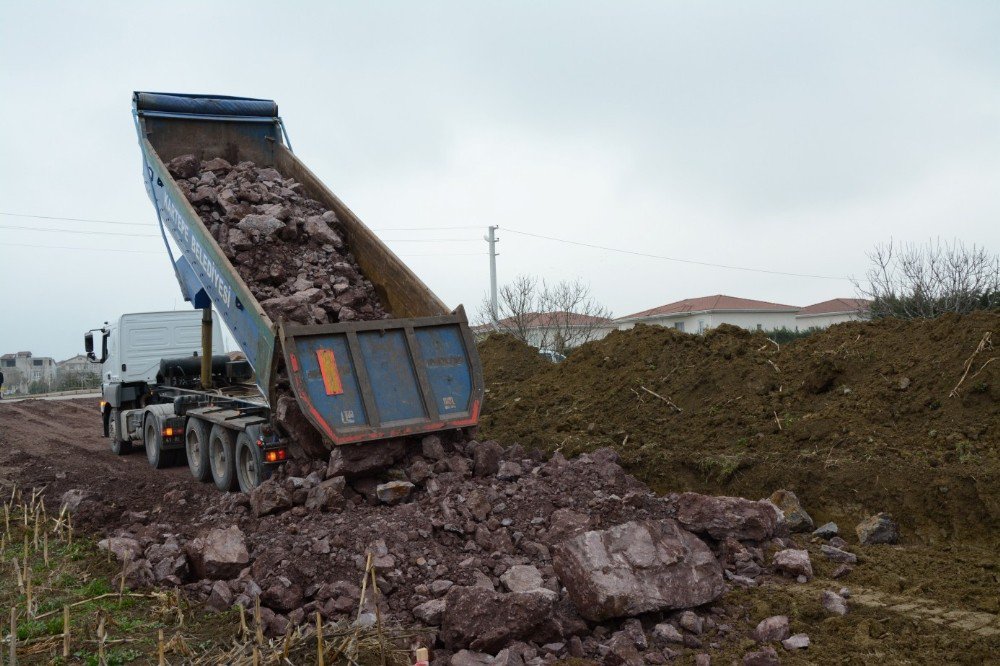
column 88, row 346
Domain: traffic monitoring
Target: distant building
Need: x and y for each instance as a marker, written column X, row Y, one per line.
column 77, row 366
column 834, row 311
column 697, row 315
column 551, row 330
column 21, row 370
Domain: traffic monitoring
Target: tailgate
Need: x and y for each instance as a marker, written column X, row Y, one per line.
column 363, row 381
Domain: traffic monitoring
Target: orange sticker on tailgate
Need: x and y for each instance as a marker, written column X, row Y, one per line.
column 328, row 368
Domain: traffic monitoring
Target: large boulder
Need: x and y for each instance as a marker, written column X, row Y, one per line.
column 219, row 554
column 355, row 459
column 487, row 621
column 637, row 567
column 724, row 517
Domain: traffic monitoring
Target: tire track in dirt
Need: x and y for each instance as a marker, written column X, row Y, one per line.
column 60, row 445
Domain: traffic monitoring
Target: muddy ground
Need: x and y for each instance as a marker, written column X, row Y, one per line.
column 932, row 599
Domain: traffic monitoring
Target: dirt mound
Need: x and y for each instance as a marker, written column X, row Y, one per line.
column 507, row 360
column 288, row 248
column 855, row 419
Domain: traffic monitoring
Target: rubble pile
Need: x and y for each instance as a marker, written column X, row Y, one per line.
column 287, row 247
column 494, row 551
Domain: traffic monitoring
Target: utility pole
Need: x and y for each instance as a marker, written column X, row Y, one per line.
column 491, row 238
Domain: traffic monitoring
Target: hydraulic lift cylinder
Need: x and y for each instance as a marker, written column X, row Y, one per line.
column 206, row 348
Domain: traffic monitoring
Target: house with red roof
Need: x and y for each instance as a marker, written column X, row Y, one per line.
column 834, row 311
column 697, row 315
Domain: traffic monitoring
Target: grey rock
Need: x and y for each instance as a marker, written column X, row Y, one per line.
column 772, row 629
column 834, row 603
column 793, row 562
column 880, row 528
column 692, row 622
column 637, row 567
column 764, row 657
column 394, row 492
column 431, row 612
column 795, row 516
column 469, row 658
column 667, row 633
column 796, row 642
column 219, row 554
column 838, row 555
column 826, row 531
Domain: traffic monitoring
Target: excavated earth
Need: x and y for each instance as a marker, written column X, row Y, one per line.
column 503, row 553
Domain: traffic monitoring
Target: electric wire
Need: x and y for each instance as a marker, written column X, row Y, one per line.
column 675, row 259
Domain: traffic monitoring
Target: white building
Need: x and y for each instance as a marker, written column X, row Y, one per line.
column 22, row 369
column 697, row 315
column 551, row 330
column 834, row 311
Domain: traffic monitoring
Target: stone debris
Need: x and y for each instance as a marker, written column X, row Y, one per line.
column 492, row 551
column 826, row 531
column 880, row 528
column 288, row 248
column 772, row 629
column 796, row 642
column 793, row 562
column 726, row 517
column 764, row 657
column 834, row 603
column 795, row 516
column 838, row 555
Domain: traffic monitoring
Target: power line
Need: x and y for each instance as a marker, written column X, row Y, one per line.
column 78, row 231
column 430, row 240
column 78, row 219
column 665, row 258
column 85, row 249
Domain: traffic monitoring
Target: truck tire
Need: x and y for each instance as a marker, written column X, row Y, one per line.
column 119, row 446
column 222, row 457
column 196, row 448
column 250, row 468
column 153, row 440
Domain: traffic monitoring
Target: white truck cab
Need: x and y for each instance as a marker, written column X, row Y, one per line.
column 134, row 345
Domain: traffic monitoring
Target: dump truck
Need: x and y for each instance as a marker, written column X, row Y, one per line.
column 355, row 383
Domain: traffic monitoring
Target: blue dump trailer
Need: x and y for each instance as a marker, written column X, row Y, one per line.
column 359, row 383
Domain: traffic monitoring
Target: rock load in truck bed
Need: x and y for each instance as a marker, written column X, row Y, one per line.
column 288, row 248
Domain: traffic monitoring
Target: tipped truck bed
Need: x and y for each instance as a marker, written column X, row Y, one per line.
column 355, row 382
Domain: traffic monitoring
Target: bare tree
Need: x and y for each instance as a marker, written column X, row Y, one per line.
column 556, row 316
column 921, row 281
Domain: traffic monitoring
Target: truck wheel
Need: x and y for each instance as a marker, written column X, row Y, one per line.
column 250, row 468
column 119, row 446
column 221, row 454
column 152, row 438
column 196, row 449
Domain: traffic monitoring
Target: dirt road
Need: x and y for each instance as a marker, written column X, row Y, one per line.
column 59, row 444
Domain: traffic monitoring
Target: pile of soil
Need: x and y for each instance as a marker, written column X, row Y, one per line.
column 507, row 360
column 859, row 418
column 288, row 248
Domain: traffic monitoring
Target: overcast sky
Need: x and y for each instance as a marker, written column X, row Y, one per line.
column 780, row 136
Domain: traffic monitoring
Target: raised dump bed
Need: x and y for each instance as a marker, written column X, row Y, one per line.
column 355, row 381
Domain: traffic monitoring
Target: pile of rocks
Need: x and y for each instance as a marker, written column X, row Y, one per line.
column 287, row 247
column 492, row 550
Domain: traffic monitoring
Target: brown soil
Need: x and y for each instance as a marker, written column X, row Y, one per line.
column 854, row 420
column 507, row 361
